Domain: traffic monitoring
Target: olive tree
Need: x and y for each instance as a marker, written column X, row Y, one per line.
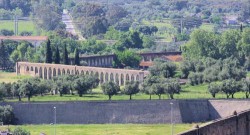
column 131, row 88
column 110, row 89
column 214, row 88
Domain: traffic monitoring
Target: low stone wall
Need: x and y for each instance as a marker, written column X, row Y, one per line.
column 134, row 111
column 237, row 124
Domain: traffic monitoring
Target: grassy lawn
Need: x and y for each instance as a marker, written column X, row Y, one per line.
column 23, row 25
column 106, row 129
column 207, row 27
column 8, row 77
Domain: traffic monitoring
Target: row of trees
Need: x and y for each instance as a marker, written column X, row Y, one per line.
column 36, row 86
column 231, row 43
column 209, row 70
column 230, row 87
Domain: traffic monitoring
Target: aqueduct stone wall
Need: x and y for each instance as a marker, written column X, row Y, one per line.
column 47, row 71
column 238, row 124
column 107, row 60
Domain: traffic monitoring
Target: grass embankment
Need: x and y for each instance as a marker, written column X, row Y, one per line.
column 106, row 129
column 8, row 77
column 207, row 27
column 22, row 26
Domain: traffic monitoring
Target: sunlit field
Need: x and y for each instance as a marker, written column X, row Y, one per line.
column 105, row 129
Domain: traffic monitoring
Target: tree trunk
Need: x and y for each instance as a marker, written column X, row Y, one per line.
column 61, row 94
column 228, row 96
column 213, row 95
column 80, row 95
column 247, row 95
column 110, row 97
column 19, row 98
column 159, row 97
column 232, row 95
column 28, row 98
column 130, row 97
column 171, row 96
column 150, row 97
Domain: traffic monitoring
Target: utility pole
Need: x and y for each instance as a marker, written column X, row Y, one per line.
column 16, row 25
column 181, row 25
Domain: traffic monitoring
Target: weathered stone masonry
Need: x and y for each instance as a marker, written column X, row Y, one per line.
column 238, row 124
column 47, row 71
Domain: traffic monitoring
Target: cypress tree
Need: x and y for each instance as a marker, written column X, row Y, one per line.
column 77, row 59
column 241, row 28
column 3, row 55
column 65, row 56
column 48, row 52
column 57, row 56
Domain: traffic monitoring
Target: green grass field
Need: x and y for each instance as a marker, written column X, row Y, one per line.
column 8, row 77
column 105, row 129
column 207, row 27
column 23, row 26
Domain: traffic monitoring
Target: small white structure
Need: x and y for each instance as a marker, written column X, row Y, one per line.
column 231, row 20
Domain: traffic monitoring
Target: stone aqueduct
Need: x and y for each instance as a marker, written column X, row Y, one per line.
column 47, row 71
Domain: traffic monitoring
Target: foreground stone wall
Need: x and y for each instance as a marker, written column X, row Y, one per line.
column 96, row 112
column 135, row 111
column 237, row 124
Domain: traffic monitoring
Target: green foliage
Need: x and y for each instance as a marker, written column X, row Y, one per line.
column 92, row 46
column 131, row 88
column 245, row 84
column 159, row 85
column 15, row 88
column 230, row 87
column 62, row 85
column 110, row 89
column 48, row 12
column 25, row 52
column 148, row 41
column 214, row 88
column 65, row 56
column 195, row 78
column 4, row 56
column 77, row 59
column 182, row 37
column 85, row 84
column 201, row 44
column 6, row 115
column 20, row 131
column 136, row 41
column 147, row 85
column 5, row 32
column 127, row 58
column 48, row 53
column 112, row 34
column 148, row 30
column 129, row 40
column 163, row 68
column 57, row 56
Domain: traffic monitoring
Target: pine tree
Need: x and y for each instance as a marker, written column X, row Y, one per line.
column 57, row 56
column 48, row 52
column 3, row 55
column 77, row 59
column 65, row 56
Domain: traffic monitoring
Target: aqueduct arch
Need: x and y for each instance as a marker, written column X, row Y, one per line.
column 47, row 71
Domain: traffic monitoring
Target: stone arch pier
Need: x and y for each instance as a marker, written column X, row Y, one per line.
column 47, row 71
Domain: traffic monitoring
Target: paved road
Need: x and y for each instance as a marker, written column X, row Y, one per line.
column 67, row 19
